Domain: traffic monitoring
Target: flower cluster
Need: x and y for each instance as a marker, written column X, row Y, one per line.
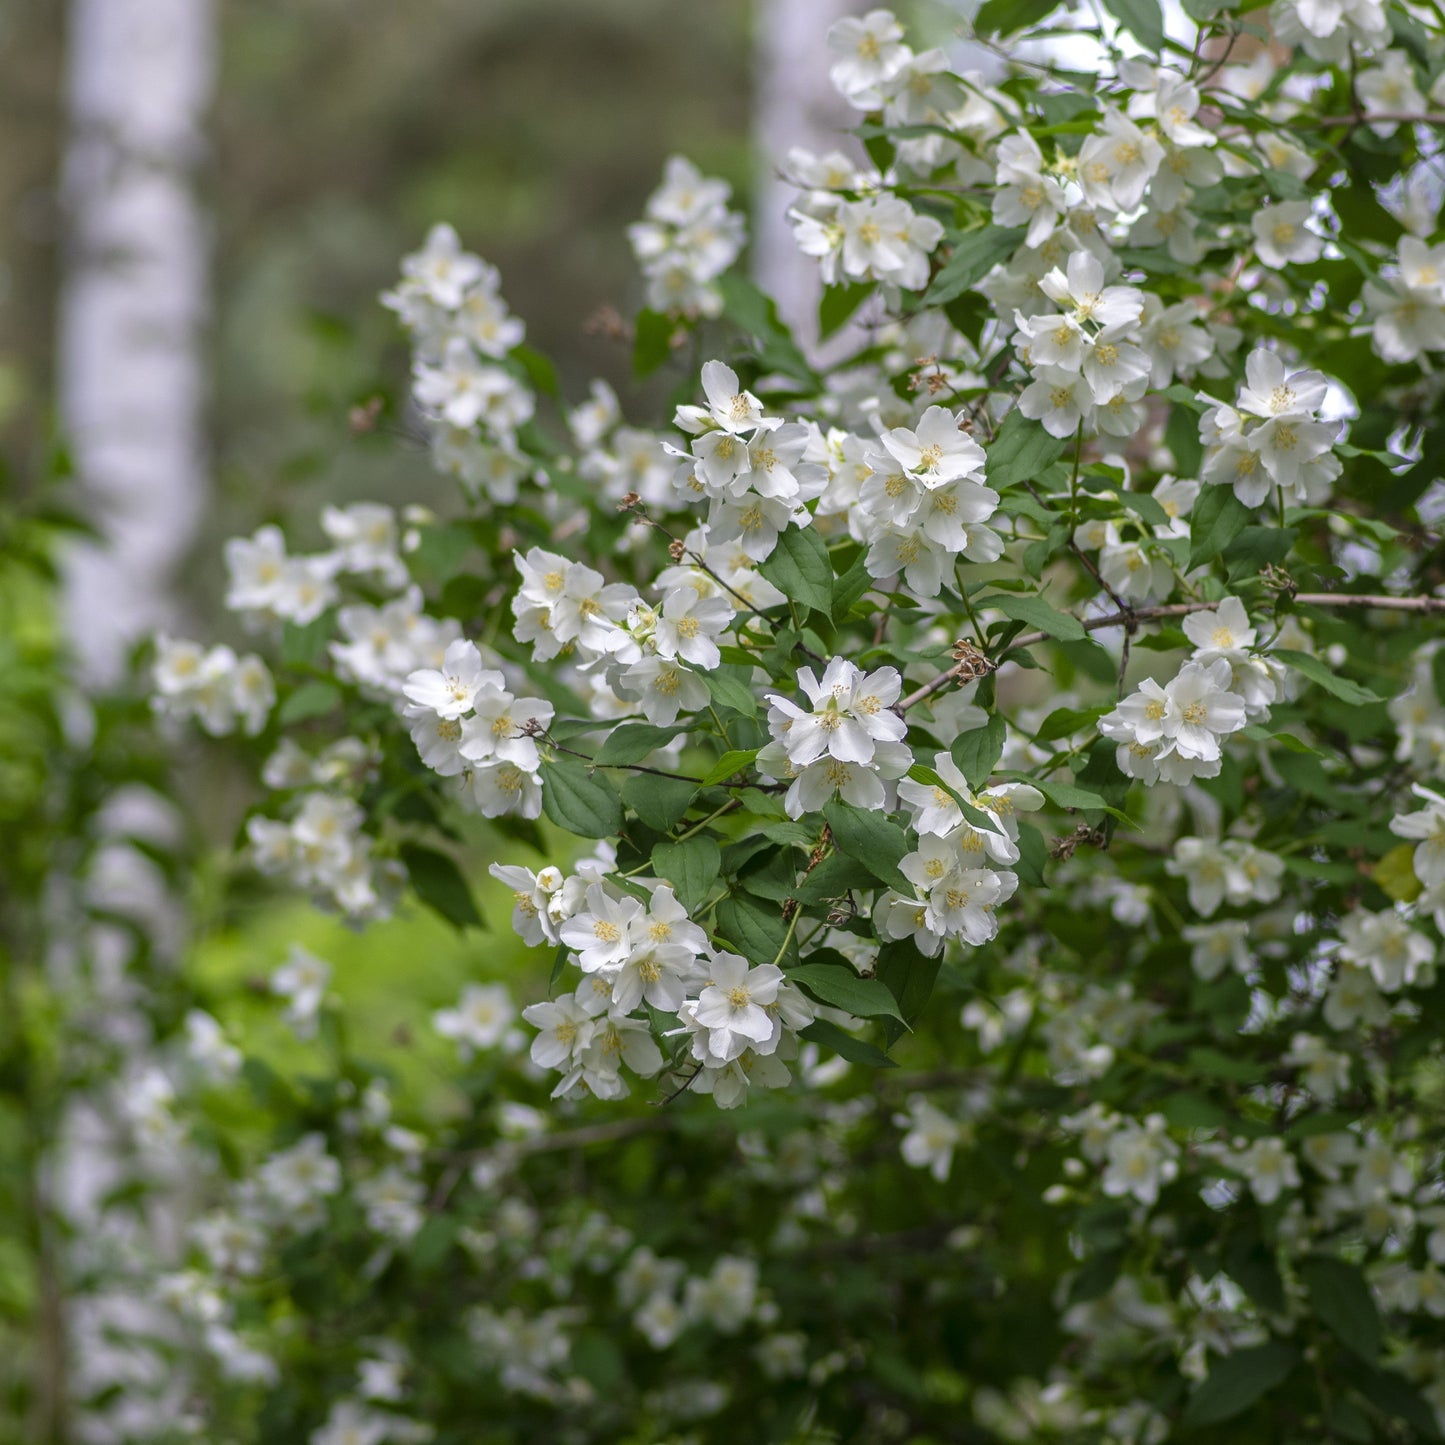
column 922, row 503
column 1407, row 309
column 212, row 685
column 323, row 847
column 1088, row 368
column 1272, row 436
column 688, row 239
column 849, row 743
column 756, row 471
column 645, row 953
column 464, row 377
column 465, row 723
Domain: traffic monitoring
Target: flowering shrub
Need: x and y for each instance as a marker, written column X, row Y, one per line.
column 1039, row 700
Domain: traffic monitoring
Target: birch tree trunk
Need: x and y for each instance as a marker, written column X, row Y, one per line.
column 133, row 306
column 131, row 384
column 795, row 105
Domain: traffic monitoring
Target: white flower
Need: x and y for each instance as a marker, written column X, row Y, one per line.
column 1322, row 1072
column 1281, row 237
column 1217, row 946
column 665, row 689
column 480, row 1020
column 936, row 451
column 565, row 1028
column 1384, row 943
column 442, row 269
column 1116, row 163
column 1058, row 398
column 463, row 390
column 733, row 1005
column 530, row 895
column 1354, row 999
column 600, row 932
column 303, row 980
column 689, row 625
column 207, row 1048
column 1024, row 195
column 296, row 1178
column 1270, row 1169
column 1408, row 310
column 503, row 726
column 500, row 789
column 1082, row 289
column 850, row 714
column 1428, row 827
column 1140, row 1159
column 872, row 52
column 449, row 691
column 931, row 1137
column 726, row 1297
column 1202, row 709
column 1389, row 86
column 1271, row 390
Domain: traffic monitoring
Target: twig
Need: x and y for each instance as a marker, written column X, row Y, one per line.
column 1181, row 609
column 1390, row 117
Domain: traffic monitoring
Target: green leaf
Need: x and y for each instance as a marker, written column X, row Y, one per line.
column 438, row 553
column 840, row 987
column 977, row 751
column 1005, row 17
column 1145, row 506
column 732, row 687
column 975, row 254
column 1257, row 548
column 756, row 932
column 632, row 742
column 799, row 568
column 910, row 976
column 692, row 867
column 754, row 312
column 540, row 372
column 838, row 303
column 1321, row 673
column 1217, row 518
column 848, row 588
column 439, row 883
column 659, row 802
column 1064, row 722
column 301, row 646
column 1033, row 854
column 1037, row 613
column 431, row 1244
column 870, row 839
column 857, row 1051
column 580, row 801
column 832, row 878
column 1341, row 1298
column 1141, row 18
column 735, row 760
column 1236, row 1381
column 653, row 343
column 1021, row 451
column 1067, row 795
column 312, row 699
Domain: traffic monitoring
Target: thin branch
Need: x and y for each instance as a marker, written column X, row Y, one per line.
column 1180, row 609
column 1390, row 117
column 611, row 1132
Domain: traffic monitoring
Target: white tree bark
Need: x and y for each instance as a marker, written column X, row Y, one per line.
column 795, row 105
column 131, row 384
column 133, row 306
